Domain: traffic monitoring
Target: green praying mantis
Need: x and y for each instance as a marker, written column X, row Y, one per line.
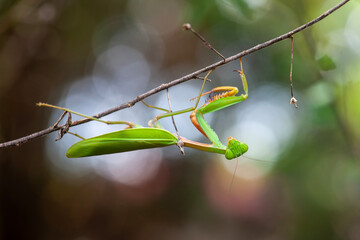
column 136, row 137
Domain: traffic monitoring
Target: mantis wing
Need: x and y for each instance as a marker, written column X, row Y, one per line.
column 122, row 141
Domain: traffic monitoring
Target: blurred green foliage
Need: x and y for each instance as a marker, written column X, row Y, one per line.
column 326, row 63
column 311, row 191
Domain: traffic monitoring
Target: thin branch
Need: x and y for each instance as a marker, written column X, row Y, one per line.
column 293, row 99
column 185, row 78
column 187, row 26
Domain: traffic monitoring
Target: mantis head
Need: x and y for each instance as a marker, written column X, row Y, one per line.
column 235, row 148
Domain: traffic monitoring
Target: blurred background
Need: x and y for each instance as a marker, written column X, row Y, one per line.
column 93, row 55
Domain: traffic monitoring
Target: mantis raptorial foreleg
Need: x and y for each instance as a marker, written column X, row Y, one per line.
column 218, row 102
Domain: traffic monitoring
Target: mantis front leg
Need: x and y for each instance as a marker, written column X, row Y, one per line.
column 234, row 148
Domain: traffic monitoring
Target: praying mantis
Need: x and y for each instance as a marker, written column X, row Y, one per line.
column 136, row 137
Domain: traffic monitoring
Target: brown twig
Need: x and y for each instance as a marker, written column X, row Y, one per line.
column 185, row 78
column 187, row 26
column 293, row 99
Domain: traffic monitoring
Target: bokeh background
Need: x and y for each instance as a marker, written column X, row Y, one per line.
column 93, row 55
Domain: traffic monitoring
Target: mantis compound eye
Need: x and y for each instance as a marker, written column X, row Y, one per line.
column 235, row 148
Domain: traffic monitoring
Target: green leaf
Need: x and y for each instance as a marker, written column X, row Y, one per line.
column 326, row 63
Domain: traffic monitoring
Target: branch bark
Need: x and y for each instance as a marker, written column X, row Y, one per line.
column 185, row 78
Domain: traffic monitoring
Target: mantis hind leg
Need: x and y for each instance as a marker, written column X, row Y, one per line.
column 168, row 113
column 130, row 124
